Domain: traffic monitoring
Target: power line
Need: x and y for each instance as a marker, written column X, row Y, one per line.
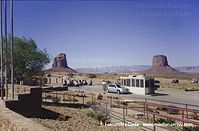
column 6, row 47
column 1, row 26
column 12, row 47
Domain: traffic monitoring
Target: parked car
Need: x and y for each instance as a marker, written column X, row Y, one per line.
column 106, row 82
column 116, row 88
column 175, row 81
column 194, row 81
column 157, row 82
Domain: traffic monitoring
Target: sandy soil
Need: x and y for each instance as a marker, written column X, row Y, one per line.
column 77, row 121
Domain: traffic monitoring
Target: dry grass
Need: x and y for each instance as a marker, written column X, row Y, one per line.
column 165, row 80
column 183, row 84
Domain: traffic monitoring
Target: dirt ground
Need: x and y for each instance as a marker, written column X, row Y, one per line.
column 77, row 118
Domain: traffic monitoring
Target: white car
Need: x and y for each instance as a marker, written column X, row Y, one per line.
column 116, row 88
column 194, row 81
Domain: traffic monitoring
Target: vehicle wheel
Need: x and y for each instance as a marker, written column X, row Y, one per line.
column 108, row 91
column 118, row 92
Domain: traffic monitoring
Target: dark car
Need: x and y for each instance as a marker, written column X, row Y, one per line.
column 157, row 82
column 175, row 81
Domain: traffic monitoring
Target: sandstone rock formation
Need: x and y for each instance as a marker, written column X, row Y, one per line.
column 160, row 60
column 60, row 61
column 160, row 66
column 60, row 64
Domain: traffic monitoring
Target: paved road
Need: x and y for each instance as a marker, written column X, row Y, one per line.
column 171, row 96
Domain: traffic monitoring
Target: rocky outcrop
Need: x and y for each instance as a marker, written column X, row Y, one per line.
column 60, row 64
column 160, row 66
column 160, row 61
column 60, row 61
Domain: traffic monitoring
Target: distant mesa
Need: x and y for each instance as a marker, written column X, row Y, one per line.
column 160, row 66
column 60, row 64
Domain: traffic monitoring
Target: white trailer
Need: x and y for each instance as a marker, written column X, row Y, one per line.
column 141, row 84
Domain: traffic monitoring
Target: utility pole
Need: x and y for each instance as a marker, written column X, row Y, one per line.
column 6, row 48
column 12, row 47
column 1, row 26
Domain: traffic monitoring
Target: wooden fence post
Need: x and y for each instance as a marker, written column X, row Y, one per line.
column 83, row 100
column 106, row 111
column 118, row 102
column 111, row 99
column 92, row 98
column 124, row 116
column 73, row 97
column 144, row 106
column 183, row 120
column 45, row 96
column 154, row 122
column 64, row 98
column 126, row 108
column 146, row 109
column 186, row 111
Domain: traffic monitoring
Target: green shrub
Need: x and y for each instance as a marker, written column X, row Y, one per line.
column 48, row 75
column 48, row 97
column 62, row 118
column 99, row 114
column 70, row 75
column 172, row 110
column 69, row 98
column 55, row 99
column 166, row 121
column 100, row 96
column 115, row 97
column 91, row 76
column 91, row 114
column 191, row 128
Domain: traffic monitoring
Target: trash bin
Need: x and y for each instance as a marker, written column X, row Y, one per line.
column 21, row 82
column 104, row 86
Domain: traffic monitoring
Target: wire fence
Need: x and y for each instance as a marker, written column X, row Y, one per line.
column 137, row 110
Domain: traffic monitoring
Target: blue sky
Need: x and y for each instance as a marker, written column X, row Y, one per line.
column 101, row 33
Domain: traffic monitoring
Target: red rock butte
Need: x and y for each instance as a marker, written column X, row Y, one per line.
column 60, row 64
column 160, row 66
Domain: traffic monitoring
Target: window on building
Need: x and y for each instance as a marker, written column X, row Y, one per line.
column 152, row 83
column 124, row 82
column 133, row 82
column 141, row 83
column 146, row 83
column 137, row 82
column 128, row 82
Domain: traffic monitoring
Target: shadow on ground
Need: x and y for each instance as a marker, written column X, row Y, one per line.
column 45, row 114
column 110, row 93
column 159, row 94
column 69, row 105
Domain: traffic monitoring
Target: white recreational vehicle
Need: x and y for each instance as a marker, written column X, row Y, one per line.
column 141, row 84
